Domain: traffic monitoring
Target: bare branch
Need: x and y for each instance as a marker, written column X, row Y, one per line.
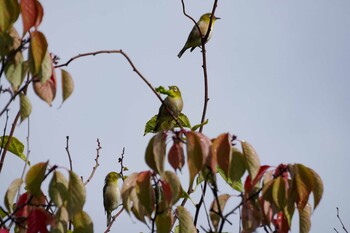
column 68, row 153
column 96, row 162
column 113, row 219
column 121, row 160
column 341, row 222
column 23, row 89
column 133, row 68
column 4, row 134
column 204, row 58
column 14, row 123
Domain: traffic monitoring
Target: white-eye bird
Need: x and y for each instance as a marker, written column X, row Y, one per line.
column 175, row 104
column 194, row 39
column 111, row 194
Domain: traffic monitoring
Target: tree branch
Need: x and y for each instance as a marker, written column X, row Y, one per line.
column 68, row 153
column 96, row 162
column 133, row 68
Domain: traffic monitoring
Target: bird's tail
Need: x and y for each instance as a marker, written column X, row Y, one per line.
column 182, row 51
column 109, row 217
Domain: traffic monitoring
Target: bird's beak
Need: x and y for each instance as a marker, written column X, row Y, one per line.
column 217, row 17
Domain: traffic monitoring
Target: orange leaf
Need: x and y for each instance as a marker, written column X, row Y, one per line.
column 155, row 153
column 38, row 50
column 29, row 14
column 198, row 149
column 222, row 152
column 145, row 192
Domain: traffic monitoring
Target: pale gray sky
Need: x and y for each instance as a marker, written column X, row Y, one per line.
column 278, row 75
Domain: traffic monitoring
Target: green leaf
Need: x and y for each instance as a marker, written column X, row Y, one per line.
column 76, row 194
column 317, row 189
column 38, row 51
column 237, row 169
column 15, row 72
column 46, row 68
column 185, row 220
column 279, row 193
column 25, row 107
column 11, row 193
column 16, row 147
column 9, row 11
column 58, row 188
column 150, row 125
column 67, row 85
column 305, row 219
column 221, row 149
column 303, row 184
column 194, row 128
column 34, row 178
column 82, row 223
column 214, row 209
column 155, row 153
column 164, row 221
column 184, row 121
column 252, row 161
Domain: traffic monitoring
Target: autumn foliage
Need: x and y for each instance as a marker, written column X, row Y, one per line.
column 268, row 196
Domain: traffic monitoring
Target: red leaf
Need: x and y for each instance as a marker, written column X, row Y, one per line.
column 176, row 156
column 38, row 220
column 3, row 230
column 281, row 223
column 248, row 185
column 22, row 211
column 46, row 91
column 167, row 191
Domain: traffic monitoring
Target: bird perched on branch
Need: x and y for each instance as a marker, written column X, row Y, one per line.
column 174, row 103
column 194, row 39
column 111, row 194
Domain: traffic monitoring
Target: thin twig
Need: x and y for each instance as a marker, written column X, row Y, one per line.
column 5, row 128
column 133, row 68
column 113, row 219
column 120, row 161
column 68, row 153
column 198, row 206
column 14, row 96
column 208, row 217
column 96, row 162
column 9, row 139
column 341, row 222
column 204, row 66
column 28, row 151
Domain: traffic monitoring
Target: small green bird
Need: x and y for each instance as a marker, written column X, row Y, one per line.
column 194, row 39
column 111, row 194
column 175, row 104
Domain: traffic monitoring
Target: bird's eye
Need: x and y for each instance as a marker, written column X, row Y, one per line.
column 175, row 89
